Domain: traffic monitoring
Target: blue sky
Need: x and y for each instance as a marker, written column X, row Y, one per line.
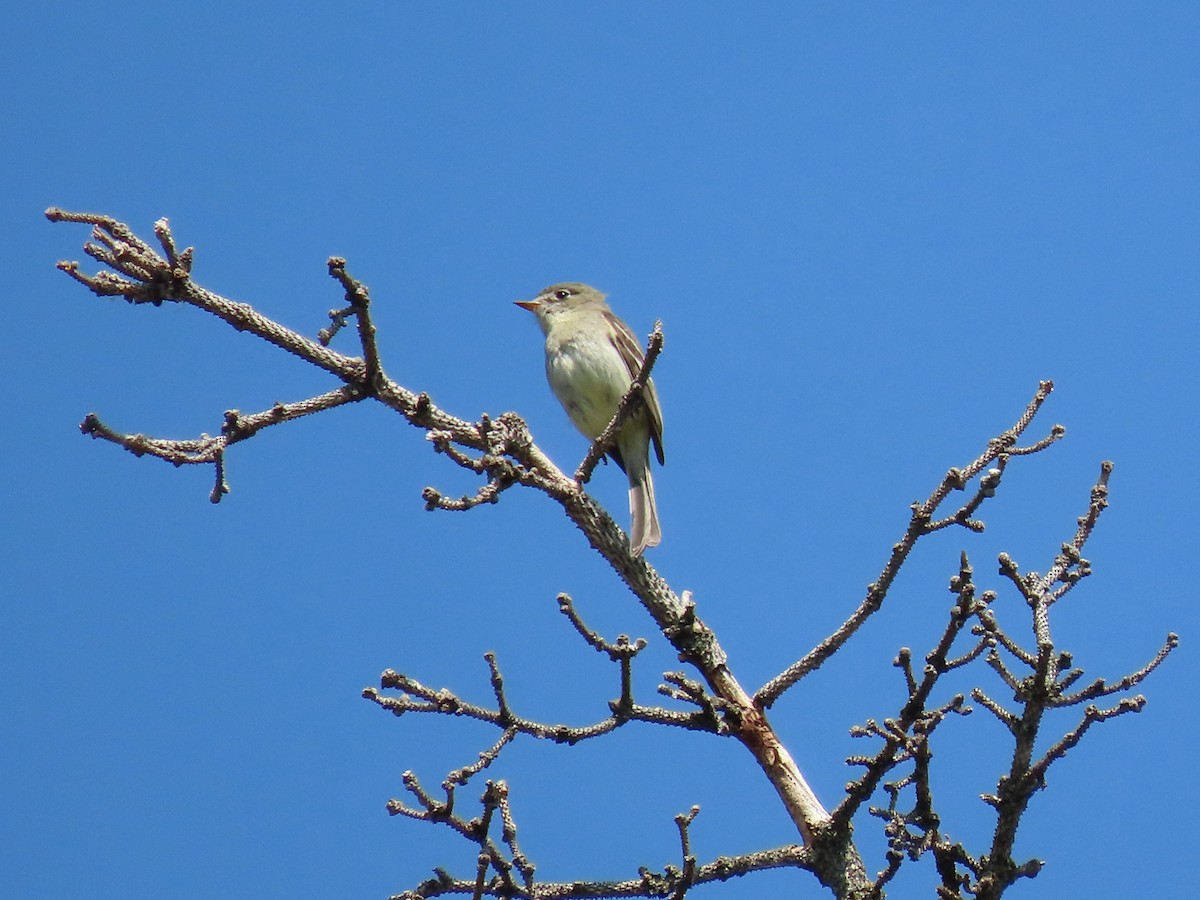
column 868, row 232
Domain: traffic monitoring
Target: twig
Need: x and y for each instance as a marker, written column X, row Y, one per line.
column 359, row 298
column 906, row 736
column 920, row 523
column 207, row 449
column 486, row 758
column 1052, row 672
column 1100, row 688
column 417, row 698
column 337, row 321
column 688, row 873
column 632, row 401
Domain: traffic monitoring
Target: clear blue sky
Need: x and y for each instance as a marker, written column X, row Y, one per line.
column 868, row 231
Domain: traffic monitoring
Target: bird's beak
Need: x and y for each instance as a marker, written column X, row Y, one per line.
column 530, row 305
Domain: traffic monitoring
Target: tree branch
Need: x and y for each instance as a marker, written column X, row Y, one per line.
column 1038, row 693
column 502, row 452
column 647, row 884
column 211, row 450
column 921, row 523
column 146, row 276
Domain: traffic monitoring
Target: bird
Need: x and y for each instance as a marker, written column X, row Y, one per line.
column 592, row 358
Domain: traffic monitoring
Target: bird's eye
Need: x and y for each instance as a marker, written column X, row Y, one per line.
column 562, row 295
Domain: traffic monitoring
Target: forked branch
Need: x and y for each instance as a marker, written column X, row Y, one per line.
column 502, row 449
column 921, row 522
column 502, row 453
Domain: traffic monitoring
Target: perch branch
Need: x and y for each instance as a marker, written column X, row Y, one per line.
column 634, row 398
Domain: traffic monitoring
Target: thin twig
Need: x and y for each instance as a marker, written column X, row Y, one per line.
column 632, row 401
column 920, row 523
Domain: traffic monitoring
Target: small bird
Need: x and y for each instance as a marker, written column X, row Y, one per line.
column 591, row 360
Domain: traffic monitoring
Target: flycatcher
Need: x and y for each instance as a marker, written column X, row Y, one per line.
column 591, row 360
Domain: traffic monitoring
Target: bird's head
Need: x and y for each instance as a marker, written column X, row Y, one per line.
column 567, row 295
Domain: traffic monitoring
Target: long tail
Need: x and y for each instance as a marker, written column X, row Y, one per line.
column 643, row 513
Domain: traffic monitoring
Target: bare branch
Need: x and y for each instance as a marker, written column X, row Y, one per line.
column 920, row 523
column 148, row 277
column 1091, row 715
column 647, row 884
column 618, row 651
column 1071, row 557
column 208, row 449
column 688, row 875
column 417, row 698
column 337, row 321
column 1042, row 690
column 502, row 452
column 486, row 758
column 986, row 490
column 508, row 834
column 359, row 298
column 622, row 652
column 905, row 735
column 1100, row 688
